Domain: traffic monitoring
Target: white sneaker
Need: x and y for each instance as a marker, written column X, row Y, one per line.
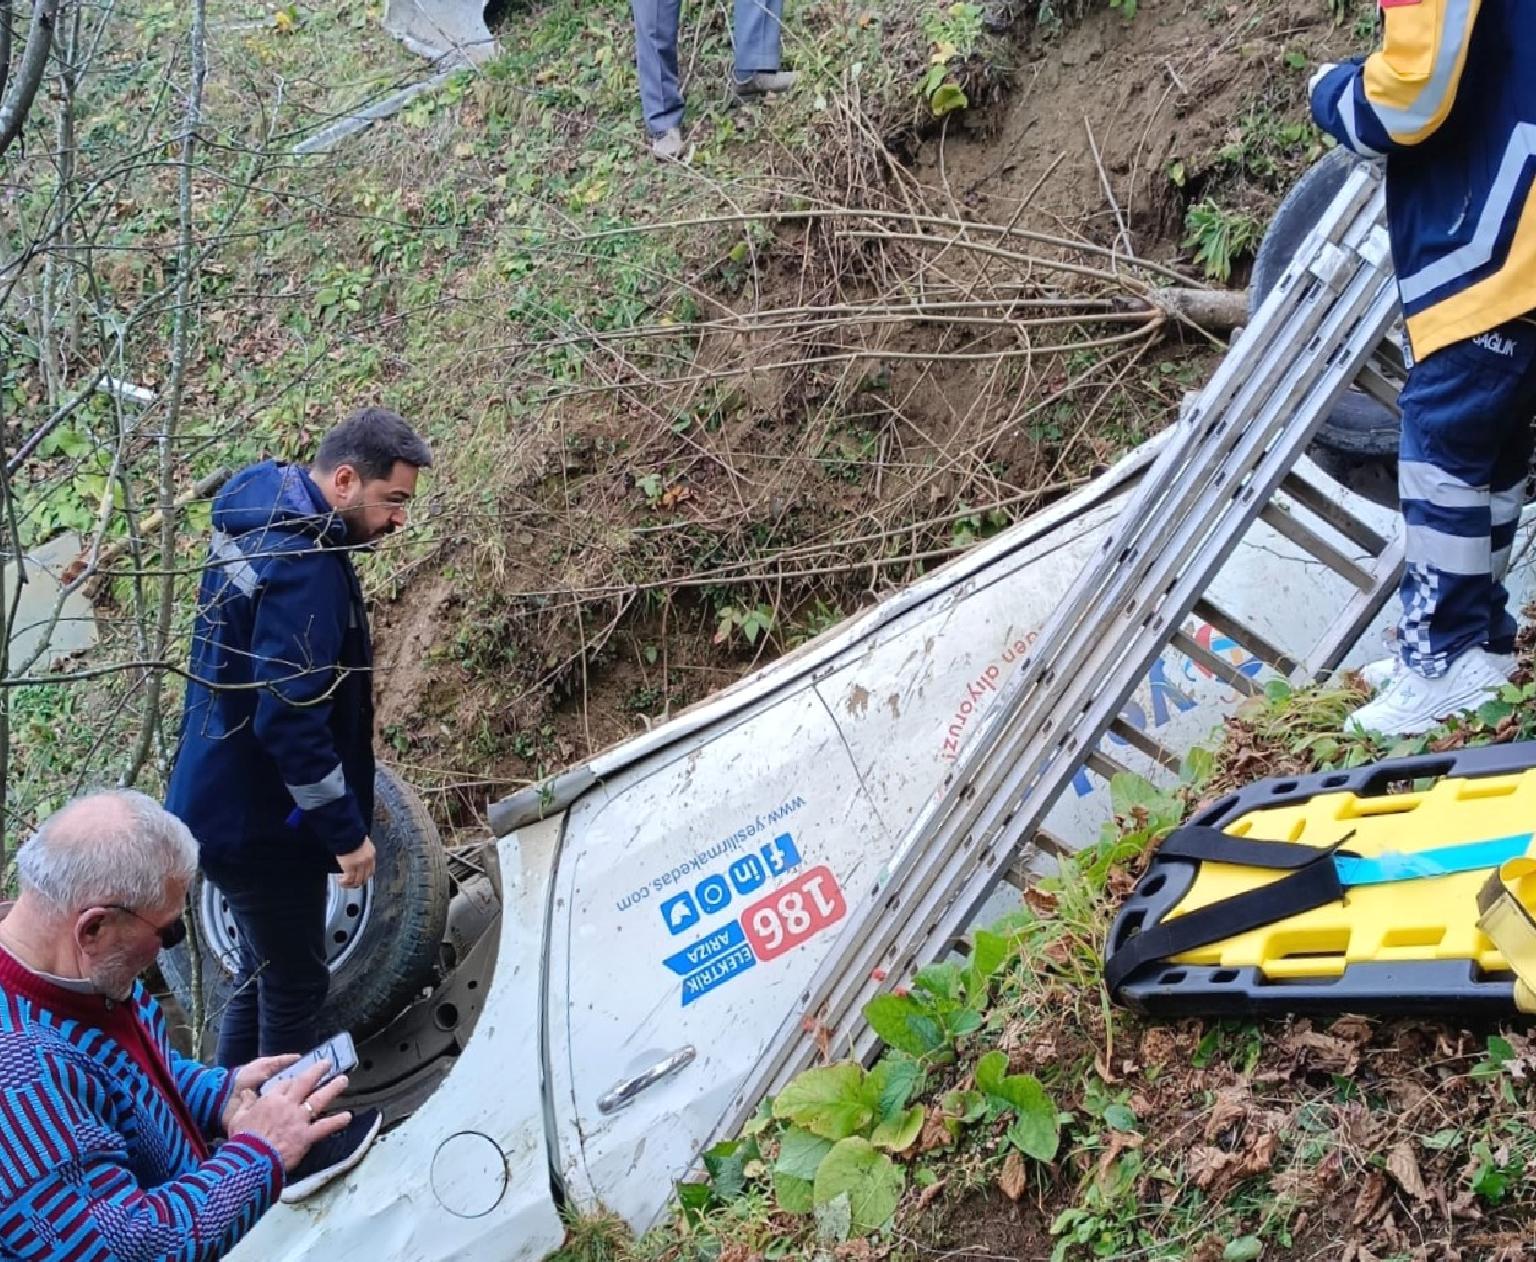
column 1378, row 674
column 1409, row 704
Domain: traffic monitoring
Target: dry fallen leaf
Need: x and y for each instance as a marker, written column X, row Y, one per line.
column 1403, row 1166
column 1012, row 1180
column 936, row 1133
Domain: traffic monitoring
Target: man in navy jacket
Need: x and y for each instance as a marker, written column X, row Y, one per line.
column 275, row 771
column 1449, row 104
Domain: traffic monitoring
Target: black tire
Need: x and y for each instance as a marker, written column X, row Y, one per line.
column 382, row 966
column 1357, row 444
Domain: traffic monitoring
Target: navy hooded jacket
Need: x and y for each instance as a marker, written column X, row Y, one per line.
column 276, row 757
column 1450, row 101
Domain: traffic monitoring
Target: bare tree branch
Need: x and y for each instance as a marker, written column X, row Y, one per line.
column 183, row 319
column 29, row 74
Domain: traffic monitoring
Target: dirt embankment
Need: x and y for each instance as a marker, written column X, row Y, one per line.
column 861, row 397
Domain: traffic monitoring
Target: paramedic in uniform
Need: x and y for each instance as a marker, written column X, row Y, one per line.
column 1449, row 104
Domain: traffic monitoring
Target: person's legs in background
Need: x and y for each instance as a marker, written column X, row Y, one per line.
column 661, row 94
column 757, row 35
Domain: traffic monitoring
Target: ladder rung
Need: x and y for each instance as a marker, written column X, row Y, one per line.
column 1335, row 514
column 1102, row 764
column 1142, row 743
column 1379, row 388
column 1355, row 618
column 1281, row 663
column 1217, row 665
column 1285, row 522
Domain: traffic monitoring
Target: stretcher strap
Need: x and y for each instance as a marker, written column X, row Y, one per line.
column 1205, row 844
column 1313, row 882
column 1509, row 926
column 1399, row 865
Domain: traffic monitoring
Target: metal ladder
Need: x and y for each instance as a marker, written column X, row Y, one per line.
column 1216, row 474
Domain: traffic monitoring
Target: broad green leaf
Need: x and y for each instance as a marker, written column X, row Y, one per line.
column 962, row 1021
column 890, row 1084
column 947, row 99
column 942, row 981
column 828, row 1102
column 990, row 1070
column 871, row 1181
column 901, row 1023
column 793, row 1194
column 898, row 1132
column 1243, row 1249
column 988, row 952
column 1036, row 1132
column 800, row 1153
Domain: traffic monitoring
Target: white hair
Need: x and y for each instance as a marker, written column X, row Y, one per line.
column 117, row 846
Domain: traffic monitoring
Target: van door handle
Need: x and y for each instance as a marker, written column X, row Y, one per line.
column 624, row 1091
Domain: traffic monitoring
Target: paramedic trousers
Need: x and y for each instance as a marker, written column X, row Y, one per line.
column 279, row 913
column 755, row 34
column 1464, row 456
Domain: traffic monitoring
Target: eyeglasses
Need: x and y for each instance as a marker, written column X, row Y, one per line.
column 171, row 935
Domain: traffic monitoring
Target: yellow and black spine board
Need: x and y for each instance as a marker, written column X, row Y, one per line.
column 1392, row 888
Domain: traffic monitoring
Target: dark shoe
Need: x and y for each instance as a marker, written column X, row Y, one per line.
column 333, row 1156
column 765, row 82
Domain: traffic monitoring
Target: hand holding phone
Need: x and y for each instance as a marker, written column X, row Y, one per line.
column 337, row 1051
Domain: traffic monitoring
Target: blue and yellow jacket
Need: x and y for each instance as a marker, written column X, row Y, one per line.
column 1450, row 101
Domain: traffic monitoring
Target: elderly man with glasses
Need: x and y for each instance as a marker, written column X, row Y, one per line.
column 112, row 1144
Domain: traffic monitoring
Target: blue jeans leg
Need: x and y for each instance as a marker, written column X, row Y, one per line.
column 1465, row 446
column 279, row 912
column 661, row 94
column 757, row 33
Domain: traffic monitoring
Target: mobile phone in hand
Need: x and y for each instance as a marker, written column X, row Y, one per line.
column 337, row 1049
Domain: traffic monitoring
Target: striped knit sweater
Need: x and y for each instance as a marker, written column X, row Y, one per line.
column 105, row 1134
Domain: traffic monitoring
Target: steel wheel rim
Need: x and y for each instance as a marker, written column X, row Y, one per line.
column 346, row 917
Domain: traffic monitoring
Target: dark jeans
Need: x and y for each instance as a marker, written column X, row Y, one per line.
column 279, row 911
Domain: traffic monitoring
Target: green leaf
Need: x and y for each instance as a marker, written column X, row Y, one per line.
column 902, row 1023
column 828, row 1102
column 1119, row 1117
column 800, row 1153
column 964, row 1106
column 726, row 1163
column 891, row 1083
column 990, row 1070
column 695, row 1198
column 947, row 99
column 988, row 951
column 793, row 1194
column 1036, row 1132
column 898, row 1132
column 962, row 1021
column 871, row 1181
column 942, row 981
column 1243, row 1249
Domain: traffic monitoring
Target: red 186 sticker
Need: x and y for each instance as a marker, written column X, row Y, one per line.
column 791, row 915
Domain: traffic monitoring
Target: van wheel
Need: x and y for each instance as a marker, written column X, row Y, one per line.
column 381, row 941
